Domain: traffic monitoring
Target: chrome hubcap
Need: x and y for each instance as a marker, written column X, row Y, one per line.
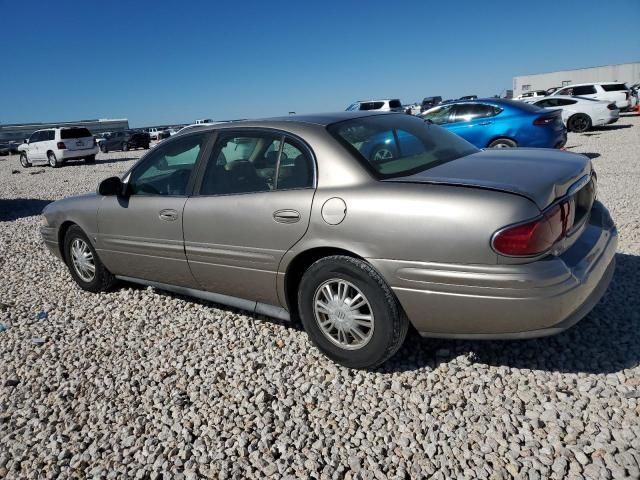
column 82, row 260
column 383, row 154
column 343, row 314
column 501, row 145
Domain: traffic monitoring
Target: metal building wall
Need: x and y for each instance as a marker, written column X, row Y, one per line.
column 625, row 72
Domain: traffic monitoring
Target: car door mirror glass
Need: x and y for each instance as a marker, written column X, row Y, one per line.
column 111, row 186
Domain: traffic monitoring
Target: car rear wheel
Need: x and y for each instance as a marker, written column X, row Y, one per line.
column 103, row 148
column 146, row 146
column 579, row 123
column 24, row 160
column 84, row 264
column 503, row 143
column 125, row 147
column 53, row 161
column 90, row 159
column 350, row 313
column 382, row 153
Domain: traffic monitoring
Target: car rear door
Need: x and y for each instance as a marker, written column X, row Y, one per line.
column 140, row 233
column 251, row 205
column 76, row 138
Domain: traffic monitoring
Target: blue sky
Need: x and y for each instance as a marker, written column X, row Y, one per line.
column 172, row 62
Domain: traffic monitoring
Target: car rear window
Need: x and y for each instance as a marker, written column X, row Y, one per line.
column 76, row 132
column 614, row 88
column 399, row 145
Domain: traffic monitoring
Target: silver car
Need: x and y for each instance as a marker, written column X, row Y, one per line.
column 358, row 223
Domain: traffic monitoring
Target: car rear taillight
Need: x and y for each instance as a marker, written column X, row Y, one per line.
column 536, row 236
column 545, row 120
column 61, row 146
column 612, row 106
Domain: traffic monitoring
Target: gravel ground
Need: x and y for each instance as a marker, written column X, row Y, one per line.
column 137, row 383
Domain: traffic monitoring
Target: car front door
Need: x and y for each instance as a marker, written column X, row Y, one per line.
column 473, row 122
column 252, row 204
column 34, row 146
column 140, row 232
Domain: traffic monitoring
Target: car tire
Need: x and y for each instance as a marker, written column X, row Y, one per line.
column 579, row 123
column 503, row 143
column 103, row 148
column 381, row 153
column 53, row 161
column 146, row 146
column 24, row 160
column 388, row 325
column 125, row 147
column 80, row 256
column 90, row 159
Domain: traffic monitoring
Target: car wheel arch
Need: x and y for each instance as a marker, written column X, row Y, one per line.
column 62, row 233
column 299, row 264
column 501, row 137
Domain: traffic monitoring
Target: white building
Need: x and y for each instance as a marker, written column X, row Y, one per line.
column 17, row 132
column 628, row 73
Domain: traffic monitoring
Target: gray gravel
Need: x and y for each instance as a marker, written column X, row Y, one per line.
column 141, row 384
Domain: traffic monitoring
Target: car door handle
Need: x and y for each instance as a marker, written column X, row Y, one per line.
column 286, row 216
column 485, row 123
column 168, row 215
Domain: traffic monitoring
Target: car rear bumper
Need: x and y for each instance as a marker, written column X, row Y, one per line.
column 507, row 301
column 71, row 154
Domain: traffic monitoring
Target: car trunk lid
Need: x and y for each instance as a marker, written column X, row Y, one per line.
column 541, row 175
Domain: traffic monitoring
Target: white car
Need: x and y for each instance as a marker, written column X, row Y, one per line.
column 392, row 105
column 155, row 131
column 526, row 96
column 57, row 145
column 606, row 91
column 580, row 114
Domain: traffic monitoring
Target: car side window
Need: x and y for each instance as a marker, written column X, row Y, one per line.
column 565, row 101
column 242, row 163
column 440, row 115
column 584, row 90
column 35, row 137
column 295, row 169
column 51, row 135
column 465, row 112
column 167, row 169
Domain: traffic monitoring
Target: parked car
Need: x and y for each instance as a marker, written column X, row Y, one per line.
column 494, row 122
column 605, row 91
column 14, row 148
column 549, row 91
column 163, row 134
column 57, row 145
column 580, row 114
column 155, row 131
column 531, row 94
column 430, row 102
column 125, row 140
column 393, row 105
column 455, row 241
column 469, row 97
column 5, row 149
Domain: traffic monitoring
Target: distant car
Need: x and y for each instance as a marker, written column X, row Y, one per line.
column 57, row 145
column 531, row 94
column 5, row 149
column 162, row 135
column 469, row 97
column 580, row 114
column 393, row 105
column 155, row 131
column 430, row 102
column 125, row 140
column 606, row 91
column 501, row 123
column 549, row 91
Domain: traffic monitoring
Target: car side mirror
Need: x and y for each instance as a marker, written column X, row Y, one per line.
column 111, row 186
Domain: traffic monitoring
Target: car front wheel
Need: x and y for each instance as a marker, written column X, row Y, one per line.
column 24, row 160
column 84, row 264
column 350, row 313
column 503, row 143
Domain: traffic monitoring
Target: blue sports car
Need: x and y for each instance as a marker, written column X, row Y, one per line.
column 501, row 123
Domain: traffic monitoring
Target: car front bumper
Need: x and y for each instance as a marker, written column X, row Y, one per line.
column 50, row 237
column 530, row 300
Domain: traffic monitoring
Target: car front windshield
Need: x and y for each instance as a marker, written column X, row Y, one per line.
column 399, row 145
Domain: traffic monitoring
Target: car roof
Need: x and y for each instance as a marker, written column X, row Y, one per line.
column 593, row 83
column 319, row 119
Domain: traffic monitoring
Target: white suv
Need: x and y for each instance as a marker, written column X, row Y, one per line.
column 392, row 105
column 605, row 91
column 57, row 145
